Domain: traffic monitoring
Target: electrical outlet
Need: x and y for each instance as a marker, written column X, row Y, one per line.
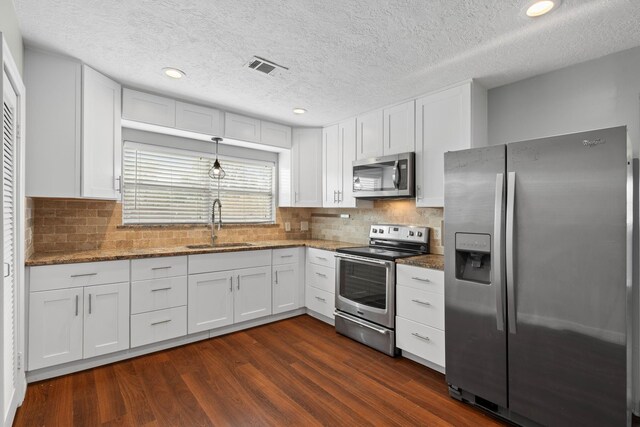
column 437, row 235
column 304, row 226
column 287, row 226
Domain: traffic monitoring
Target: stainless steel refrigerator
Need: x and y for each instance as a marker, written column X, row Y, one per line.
column 538, row 278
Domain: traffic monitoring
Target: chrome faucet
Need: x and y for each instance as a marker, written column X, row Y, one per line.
column 213, row 220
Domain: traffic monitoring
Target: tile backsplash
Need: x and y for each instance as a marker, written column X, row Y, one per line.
column 76, row 224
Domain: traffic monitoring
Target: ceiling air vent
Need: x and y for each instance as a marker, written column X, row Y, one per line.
column 265, row 66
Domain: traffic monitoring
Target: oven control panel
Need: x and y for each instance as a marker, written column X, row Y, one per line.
column 404, row 233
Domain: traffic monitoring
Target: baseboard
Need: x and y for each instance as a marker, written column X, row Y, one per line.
column 321, row 317
column 424, row 362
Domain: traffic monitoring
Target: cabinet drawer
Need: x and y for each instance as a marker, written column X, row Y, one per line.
column 420, row 278
column 320, row 301
column 158, row 268
column 321, row 257
column 48, row 277
column 320, row 277
column 208, row 263
column 155, row 326
column 421, row 340
column 285, row 256
column 420, row 306
column 158, row 294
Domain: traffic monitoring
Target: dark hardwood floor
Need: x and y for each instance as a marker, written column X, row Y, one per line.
column 294, row 372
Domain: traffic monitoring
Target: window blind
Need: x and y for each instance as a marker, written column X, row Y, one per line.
column 166, row 185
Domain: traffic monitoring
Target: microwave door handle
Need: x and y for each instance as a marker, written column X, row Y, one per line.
column 396, row 175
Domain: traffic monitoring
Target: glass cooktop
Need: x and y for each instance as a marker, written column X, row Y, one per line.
column 378, row 253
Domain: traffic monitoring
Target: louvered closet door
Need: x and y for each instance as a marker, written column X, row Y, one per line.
column 9, row 309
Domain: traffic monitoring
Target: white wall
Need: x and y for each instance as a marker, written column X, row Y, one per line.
column 601, row 93
column 9, row 28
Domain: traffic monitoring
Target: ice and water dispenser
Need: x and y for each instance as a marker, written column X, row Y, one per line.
column 473, row 257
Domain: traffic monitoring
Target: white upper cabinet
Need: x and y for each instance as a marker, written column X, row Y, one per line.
column 332, row 167
column 73, row 129
column 370, row 135
column 275, row 134
column 449, row 120
column 399, row 129
column 101, row 136
column 54, row 96
column 306, row 174
column 241, row 127
column 196, row 118
column 148, row 108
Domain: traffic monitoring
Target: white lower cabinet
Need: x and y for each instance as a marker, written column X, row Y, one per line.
column 320, row 301
column 160, row 325
column 320, row 279
column 55, row 327
column 420, row 313
column 226, row 297
column 286, row 282
column 106, row 319
column 210, row 301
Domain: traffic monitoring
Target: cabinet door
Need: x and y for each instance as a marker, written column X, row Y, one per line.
column 148, row 108
column 53, row 133
column 332, row 166
column 286, row 283
column 399, row 129
column 307, row 170
column 443, row 124
column 195, row 118
column 241, row 127
column 210, row 301
column 106, row 319
column 55, row 327
column 101, row 140
column 252, row 293
column 275, row 134
column 370, row 130
column 347, row 137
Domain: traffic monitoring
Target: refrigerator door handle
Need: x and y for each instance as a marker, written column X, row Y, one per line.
column 511, row 297
column 498, row 225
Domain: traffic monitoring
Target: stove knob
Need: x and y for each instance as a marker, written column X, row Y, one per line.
column 381, row 231
column 374, row 230
column 419, row 233
column 411, row 234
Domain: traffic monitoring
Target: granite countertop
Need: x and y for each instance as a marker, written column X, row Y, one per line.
column 433, row 261
column 118, row 254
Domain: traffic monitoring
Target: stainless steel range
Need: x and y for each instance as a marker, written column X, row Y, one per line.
column 366, row 284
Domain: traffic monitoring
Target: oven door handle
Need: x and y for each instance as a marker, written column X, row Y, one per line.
column 360, row 322
column 364, row 260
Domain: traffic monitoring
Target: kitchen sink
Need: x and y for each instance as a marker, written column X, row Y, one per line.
column 218, row 245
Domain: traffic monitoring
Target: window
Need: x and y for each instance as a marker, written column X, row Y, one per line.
column 167, row 185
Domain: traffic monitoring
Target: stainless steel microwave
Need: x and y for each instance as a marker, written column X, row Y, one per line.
column 387, row 176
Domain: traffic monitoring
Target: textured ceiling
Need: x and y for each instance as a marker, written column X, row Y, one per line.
column 345, row 57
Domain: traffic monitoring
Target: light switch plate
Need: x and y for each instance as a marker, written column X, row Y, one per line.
column 287, row 226
column 304, row 226
column 437, row 235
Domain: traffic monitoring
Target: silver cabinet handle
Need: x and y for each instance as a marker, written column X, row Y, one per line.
column 230, row 283
column 421, row 279
column 77, row 305
column 161, row 268
column 496, row 259
column 84, row 275
column 334, row 196
column 321, row 275
column 321, row 299
column 421, row 302
column 161, row 321
column 359, row 322
column 161, row 289
column 286, row 256
column 511, row 298
column 238, row 282
column 422, row 337
column 276, row 277
column 322, row 258
column 89, row 303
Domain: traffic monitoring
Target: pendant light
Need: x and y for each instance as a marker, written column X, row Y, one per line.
column 216, row 172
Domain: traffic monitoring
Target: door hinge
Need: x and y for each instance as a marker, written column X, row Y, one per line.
column 19, row 361
column 7, row 269
column 18, row 131
column 119, row 184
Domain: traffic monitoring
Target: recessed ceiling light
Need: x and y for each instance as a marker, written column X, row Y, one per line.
column 299, row 111
column 540, row 8
column 174, row 73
